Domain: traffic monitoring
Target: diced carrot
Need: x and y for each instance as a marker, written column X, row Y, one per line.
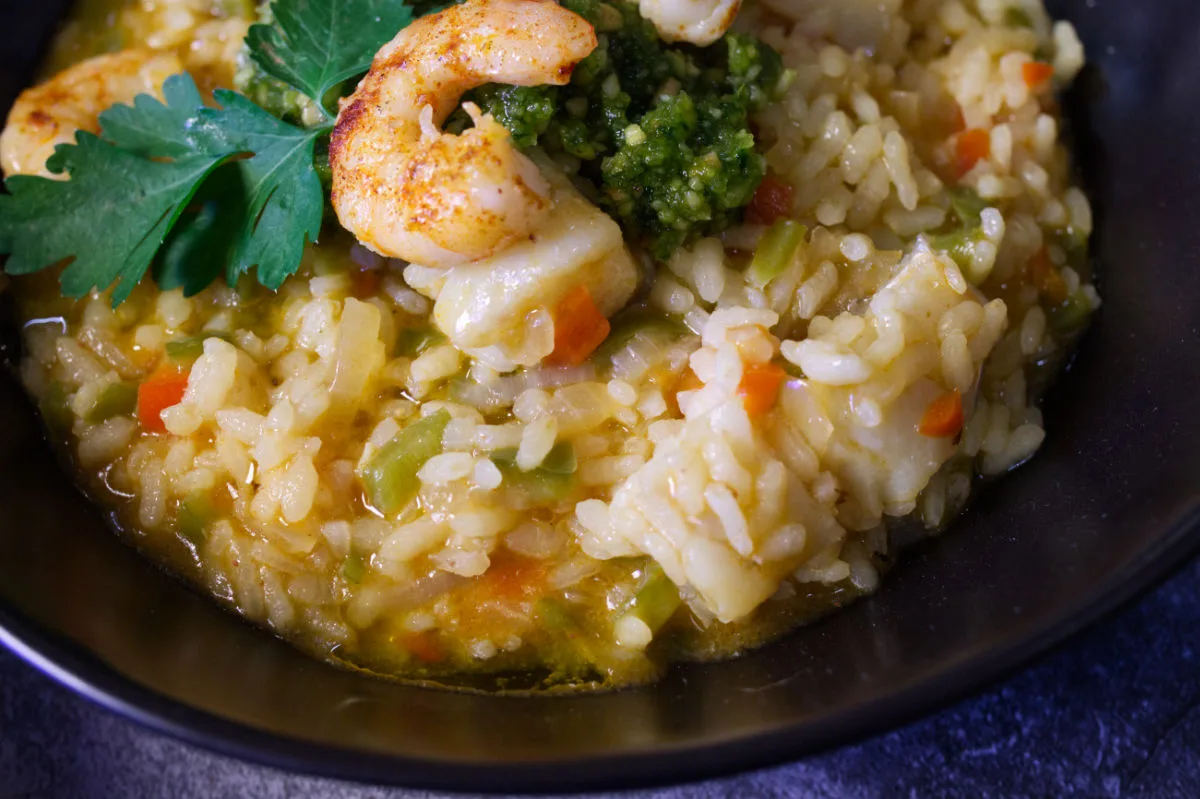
column 364, row 282
column 425, row 646
column 957, row 121
column 1036, row 73
column 579, row 328
column 510, row 578
column 1046, row 277
column 164, row 388
column 759, row 388
column 943, row 417
column 772, row 200
column 971, row 146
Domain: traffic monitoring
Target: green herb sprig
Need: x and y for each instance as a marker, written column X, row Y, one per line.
column 194, row 191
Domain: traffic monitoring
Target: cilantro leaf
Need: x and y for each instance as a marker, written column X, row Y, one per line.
column 313, row 45
column 280, row 200
column 150, row 182
column 154, row 129
column 108, row 219
column 201, row 243
column 193, row 191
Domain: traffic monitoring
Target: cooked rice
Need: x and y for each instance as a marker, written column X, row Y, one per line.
column 873, row 312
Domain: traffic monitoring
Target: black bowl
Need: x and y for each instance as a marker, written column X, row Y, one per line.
column 1111, row 504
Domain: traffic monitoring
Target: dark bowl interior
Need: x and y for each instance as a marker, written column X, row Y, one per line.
column 1111, row 504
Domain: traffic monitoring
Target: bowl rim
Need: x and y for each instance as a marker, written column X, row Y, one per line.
column 70, row 664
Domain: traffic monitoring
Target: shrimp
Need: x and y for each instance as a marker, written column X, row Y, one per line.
column 49, row 114
column 699, row 22
column 498, row 309
column 409, row 191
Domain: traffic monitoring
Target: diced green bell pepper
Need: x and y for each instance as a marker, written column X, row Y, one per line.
column 192, row 347
column 1072, row 314
column 412, row 341
column 118, row 399
column 552, row 481
column 959, row 245
column 656, row 600
column 195, row 514
column 55, row 407
column 967, row 206
column 353, row 568
column 774, row 252
column 627, row 325
column 390, row 477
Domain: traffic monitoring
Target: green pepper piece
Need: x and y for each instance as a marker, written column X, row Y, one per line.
column 629, row 324
column 774, row 252
column 353, row 568
column 55, row 407
column 1072, row 314
column 412, row 341
column 545, row 484
column 1017, row 17
column 1074, row 246
column 554, row 615
column 657, row 600
column 118, row 399
column 188, row 349
column 560, row 459
column 390, row 477
column 195, row 514
column 572, row 648
column 959, row 245
column 967, row 206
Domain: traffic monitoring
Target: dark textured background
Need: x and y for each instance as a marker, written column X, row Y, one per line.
column 1115, row 713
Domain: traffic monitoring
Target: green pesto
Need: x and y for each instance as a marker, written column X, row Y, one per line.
column 267, row 92
column 661, row 130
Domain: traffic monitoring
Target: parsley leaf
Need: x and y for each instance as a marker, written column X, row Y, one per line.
column 313, row 46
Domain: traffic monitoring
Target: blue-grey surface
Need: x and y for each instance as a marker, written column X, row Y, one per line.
column 1116, row 713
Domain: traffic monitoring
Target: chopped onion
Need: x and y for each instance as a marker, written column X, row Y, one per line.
column 504, row 390
column 571, row 572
